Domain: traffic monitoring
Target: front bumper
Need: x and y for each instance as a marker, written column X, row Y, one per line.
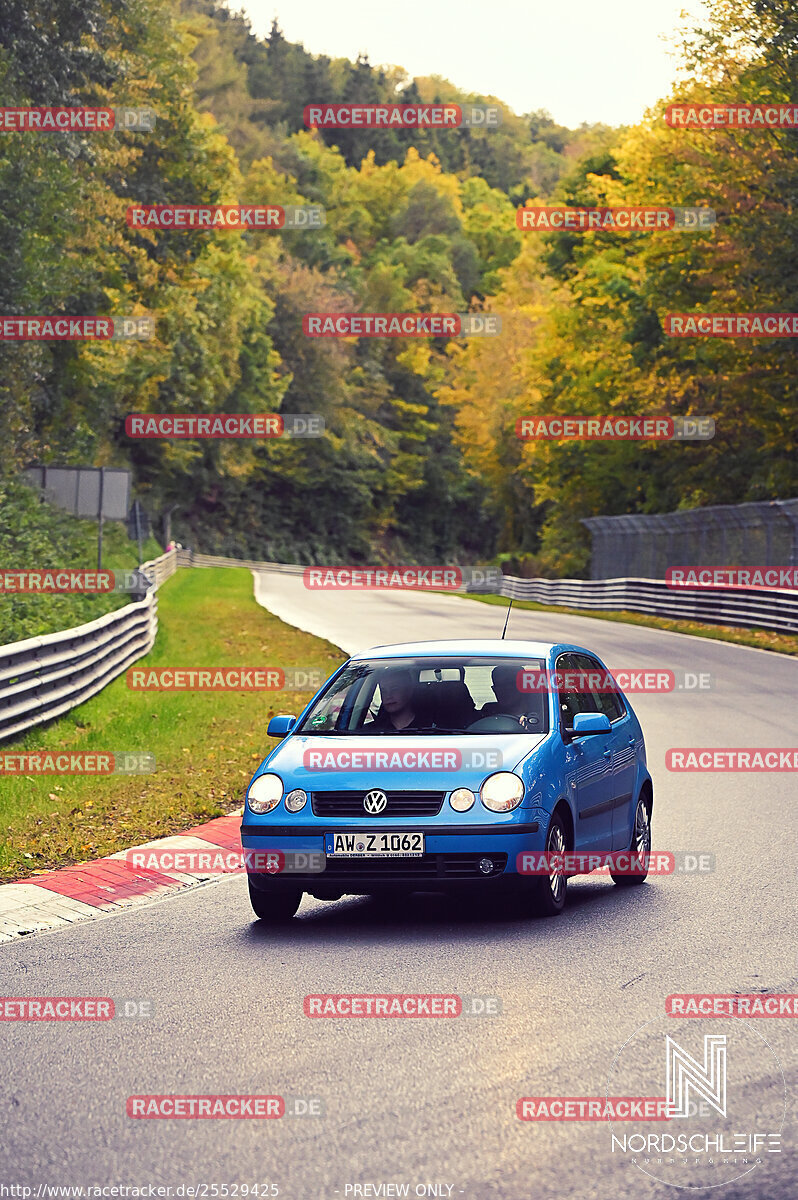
column 453, row 856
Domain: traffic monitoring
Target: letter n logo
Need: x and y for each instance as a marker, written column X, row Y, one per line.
column 707, row 1081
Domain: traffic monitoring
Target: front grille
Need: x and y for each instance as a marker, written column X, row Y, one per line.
column 400, row 804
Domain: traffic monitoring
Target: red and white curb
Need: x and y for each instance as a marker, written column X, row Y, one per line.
column 58, row 898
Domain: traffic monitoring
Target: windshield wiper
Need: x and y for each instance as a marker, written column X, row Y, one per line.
column 439, row 729
column 367, row 731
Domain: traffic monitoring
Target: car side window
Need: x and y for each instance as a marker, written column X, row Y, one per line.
column 602, row 687
column 367, row 706
column 335, row 709
column 573, row 698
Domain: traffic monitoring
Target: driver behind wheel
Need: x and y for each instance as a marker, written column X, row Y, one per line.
column 398, row 709
column 511, row 701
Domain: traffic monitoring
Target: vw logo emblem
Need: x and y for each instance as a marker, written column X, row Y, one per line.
column 375, row 802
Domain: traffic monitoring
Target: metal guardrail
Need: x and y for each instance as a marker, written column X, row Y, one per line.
column 188, row 558
column 42, row 678
column 749, row 609
column 159, row 569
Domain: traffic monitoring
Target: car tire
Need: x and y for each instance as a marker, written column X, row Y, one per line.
column 640, row 846
column 274, row 907
column 547, row 893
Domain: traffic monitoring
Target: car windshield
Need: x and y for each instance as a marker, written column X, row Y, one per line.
column 433, row 695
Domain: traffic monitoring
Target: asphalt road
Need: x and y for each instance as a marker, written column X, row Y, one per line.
column 430, row 1102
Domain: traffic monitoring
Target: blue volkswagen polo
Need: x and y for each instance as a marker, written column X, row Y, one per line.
column 433, row 766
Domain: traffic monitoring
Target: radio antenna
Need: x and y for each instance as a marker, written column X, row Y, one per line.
column 506, row 619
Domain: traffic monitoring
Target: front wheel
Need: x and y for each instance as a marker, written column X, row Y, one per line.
column 274, row 907
column 547, row 892
column 640, row 847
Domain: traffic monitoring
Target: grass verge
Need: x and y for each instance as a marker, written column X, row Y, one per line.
column 206, row 744
column 760, row 639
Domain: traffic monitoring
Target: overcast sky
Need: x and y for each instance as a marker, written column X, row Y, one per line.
column 583, row 60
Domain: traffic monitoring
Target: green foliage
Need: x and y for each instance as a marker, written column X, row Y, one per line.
column 587, row 332
column 259, row 89
column 35, row 536
column 419, row 458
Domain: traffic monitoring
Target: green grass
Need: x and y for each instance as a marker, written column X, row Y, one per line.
column 761, row 639
column 206, row 745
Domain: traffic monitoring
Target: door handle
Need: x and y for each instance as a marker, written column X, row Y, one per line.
column 631, row 740
column 607, row 754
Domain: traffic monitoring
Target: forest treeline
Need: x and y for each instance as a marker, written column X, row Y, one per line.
column 419, row 461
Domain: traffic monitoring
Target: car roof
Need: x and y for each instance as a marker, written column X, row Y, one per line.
column 489, row 647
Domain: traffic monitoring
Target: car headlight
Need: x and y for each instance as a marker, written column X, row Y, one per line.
column 265, row 793
column 296, row 800
column 461, row 799
column 502, row 791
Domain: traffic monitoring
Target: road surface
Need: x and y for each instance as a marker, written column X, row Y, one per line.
column 428, row 1105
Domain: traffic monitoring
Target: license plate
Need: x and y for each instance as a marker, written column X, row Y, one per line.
column 374, row 845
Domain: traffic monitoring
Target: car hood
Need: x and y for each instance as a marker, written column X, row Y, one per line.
column 397, row 763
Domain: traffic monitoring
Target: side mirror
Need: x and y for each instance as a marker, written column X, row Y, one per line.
column 585, row 723
column 280, row 727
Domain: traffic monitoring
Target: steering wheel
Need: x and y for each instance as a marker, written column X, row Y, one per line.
column 497, row 723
